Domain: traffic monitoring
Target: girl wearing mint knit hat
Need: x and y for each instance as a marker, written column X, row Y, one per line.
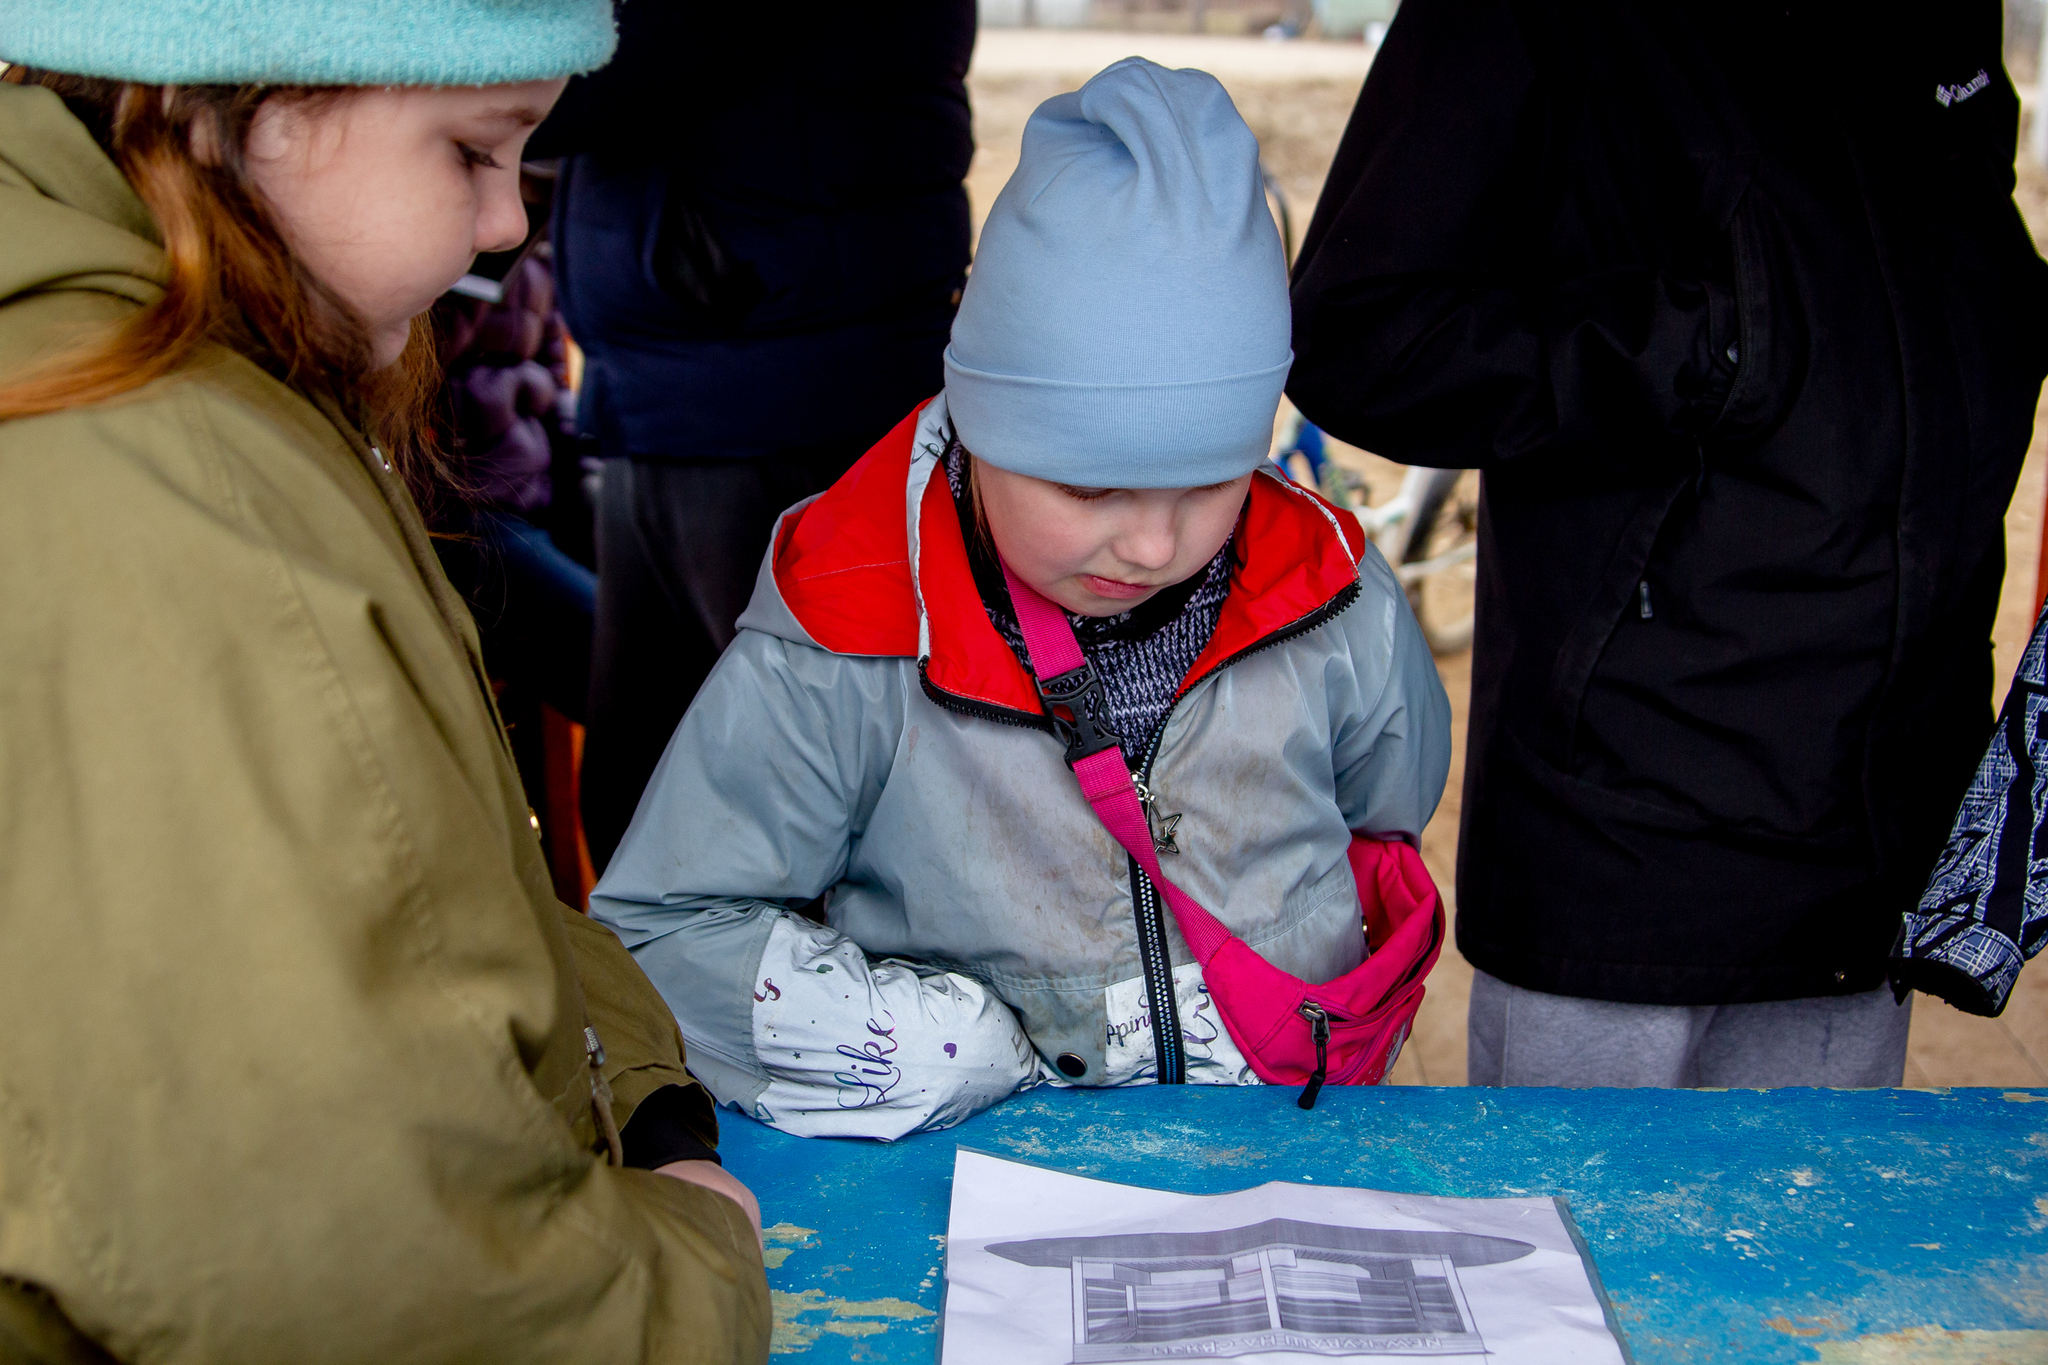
column 304, row 1055
column 880, row 741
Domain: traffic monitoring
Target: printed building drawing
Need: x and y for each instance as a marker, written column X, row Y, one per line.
column 1280, row 1285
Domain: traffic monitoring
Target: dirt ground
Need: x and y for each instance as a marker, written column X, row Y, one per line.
column 1299, row 119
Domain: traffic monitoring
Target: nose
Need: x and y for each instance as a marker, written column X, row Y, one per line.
column 1149, row 539
column 501, row 216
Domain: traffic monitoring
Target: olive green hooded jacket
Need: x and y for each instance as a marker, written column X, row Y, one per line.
column 292, row 1051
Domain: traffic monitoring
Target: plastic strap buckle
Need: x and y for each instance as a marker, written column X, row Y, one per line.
column 1078, row 706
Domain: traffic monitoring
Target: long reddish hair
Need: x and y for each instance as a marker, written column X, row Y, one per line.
column 232, row 279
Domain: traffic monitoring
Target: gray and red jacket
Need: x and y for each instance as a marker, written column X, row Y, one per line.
column 870, row 739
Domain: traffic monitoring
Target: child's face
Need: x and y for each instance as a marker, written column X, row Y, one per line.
column 1100, row 551
column 388, row 194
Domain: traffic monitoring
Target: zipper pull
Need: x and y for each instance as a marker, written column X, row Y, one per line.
column 1319, row 1028
column 1643, row 597
column 601, row 1099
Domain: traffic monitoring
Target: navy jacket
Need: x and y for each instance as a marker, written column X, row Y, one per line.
column 1731, row 303
column 761, row 230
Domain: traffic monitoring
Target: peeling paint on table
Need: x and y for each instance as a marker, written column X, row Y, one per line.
column 1876, row 1227
column 1934, row 1346
column 780, row 1239
column 798, row 1324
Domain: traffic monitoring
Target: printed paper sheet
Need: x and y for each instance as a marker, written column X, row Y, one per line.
column 1051, row 1269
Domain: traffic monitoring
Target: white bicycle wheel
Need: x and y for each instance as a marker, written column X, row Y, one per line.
column 1439, row 557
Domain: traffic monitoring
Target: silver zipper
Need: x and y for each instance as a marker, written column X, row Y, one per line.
column 1169, row 1042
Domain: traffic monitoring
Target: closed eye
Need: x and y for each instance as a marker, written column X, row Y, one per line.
column 1085, row 494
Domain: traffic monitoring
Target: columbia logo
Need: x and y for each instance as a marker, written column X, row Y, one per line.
column 1956, row 94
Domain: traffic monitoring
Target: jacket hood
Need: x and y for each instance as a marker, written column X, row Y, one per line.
column 68, row 219
column 876, row 565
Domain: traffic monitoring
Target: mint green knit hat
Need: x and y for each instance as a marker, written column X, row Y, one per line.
column 310, row 42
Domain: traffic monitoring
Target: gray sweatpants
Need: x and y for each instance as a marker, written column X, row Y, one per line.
column 1523, row 1037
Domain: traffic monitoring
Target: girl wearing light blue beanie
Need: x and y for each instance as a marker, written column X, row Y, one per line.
column 885, row 740
column 341, row 1078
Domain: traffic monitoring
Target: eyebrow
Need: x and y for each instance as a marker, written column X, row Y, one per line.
column 524, row 115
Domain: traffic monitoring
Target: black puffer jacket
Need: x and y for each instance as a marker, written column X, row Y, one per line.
column 1732, row 304
column 762, row 234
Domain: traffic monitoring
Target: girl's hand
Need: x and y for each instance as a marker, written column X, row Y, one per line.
column 715, row 1177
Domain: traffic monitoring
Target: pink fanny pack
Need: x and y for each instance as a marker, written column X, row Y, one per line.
column 1343, row 1032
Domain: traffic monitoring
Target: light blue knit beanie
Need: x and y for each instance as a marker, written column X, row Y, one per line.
column 310, row 42
column 1126, row 323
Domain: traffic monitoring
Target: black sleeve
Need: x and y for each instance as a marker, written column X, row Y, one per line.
column 1430, row 324
column 667, row 1127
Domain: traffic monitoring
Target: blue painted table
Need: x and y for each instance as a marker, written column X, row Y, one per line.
column 1753, row 1226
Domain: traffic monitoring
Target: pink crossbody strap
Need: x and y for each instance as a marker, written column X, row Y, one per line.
column 1068, row 683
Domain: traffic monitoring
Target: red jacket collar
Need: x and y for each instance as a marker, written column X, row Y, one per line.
column 842, row 565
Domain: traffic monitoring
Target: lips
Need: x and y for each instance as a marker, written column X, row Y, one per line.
column 1116, row 590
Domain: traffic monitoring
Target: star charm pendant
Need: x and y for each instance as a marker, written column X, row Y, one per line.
column 1163, row 827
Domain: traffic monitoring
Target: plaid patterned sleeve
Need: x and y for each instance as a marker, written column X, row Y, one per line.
column 1985, row 911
